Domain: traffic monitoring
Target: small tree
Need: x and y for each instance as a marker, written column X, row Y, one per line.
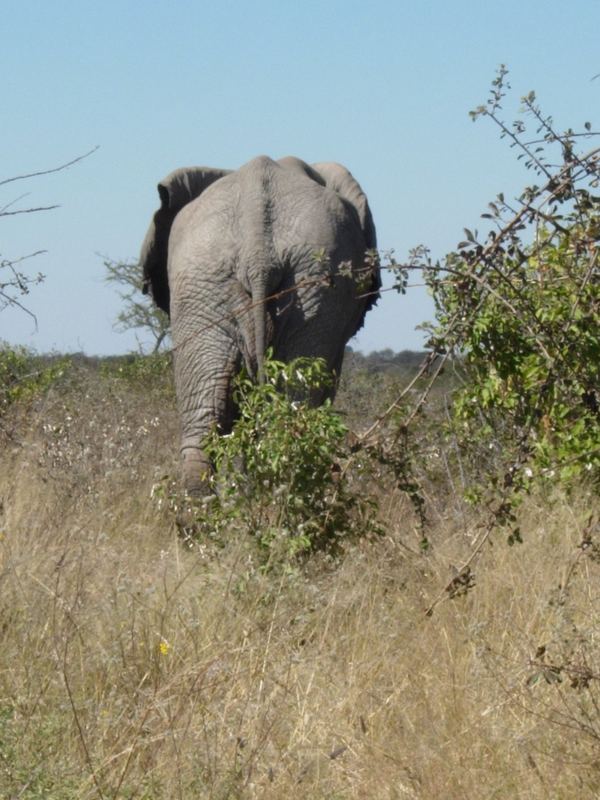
column 139, row 311
column 14, row 283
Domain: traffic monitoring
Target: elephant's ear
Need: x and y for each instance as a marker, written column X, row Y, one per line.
column 339, row 179
column 343, row 182
column 175, row 191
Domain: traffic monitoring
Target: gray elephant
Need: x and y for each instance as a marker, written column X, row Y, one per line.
column 270, row 255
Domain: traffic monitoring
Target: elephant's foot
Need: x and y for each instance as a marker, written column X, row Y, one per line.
column 197, row 472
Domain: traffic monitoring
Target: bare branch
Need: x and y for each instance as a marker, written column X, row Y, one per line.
column 11, row 301
column 50, row 171
column 14, row 261
column 27, row 211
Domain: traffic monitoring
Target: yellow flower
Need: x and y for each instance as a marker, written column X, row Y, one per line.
column 164, row 648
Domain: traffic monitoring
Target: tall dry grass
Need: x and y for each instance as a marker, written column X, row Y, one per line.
column 135, row 666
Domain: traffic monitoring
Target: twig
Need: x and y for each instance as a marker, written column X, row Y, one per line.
column 27, row 210
column 422, row 370
column 11, row 301
column 50, row 171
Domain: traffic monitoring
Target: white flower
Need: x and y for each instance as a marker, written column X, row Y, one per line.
column 528, row 472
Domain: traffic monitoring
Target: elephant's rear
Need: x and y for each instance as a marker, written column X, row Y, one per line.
column 273, row 254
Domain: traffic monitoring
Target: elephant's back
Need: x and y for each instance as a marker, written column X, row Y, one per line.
column 280, row 207
column 313, row 216
column 291, row 189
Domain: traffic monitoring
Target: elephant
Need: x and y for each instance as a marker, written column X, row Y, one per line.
column 271, row 255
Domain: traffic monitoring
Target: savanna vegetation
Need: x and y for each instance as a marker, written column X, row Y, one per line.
column 392, row 596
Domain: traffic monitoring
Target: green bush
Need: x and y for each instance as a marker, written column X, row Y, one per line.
column 534, row 375
column 284, row 473
column 284, row 463
column 23, row 374
column 519, row 313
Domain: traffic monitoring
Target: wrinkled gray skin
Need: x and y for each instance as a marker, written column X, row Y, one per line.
column 221, row 244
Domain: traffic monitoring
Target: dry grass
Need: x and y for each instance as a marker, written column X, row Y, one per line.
column 133, row 666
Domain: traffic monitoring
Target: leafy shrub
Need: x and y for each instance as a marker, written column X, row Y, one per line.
column 284, row 471
column 519, row 314
column 23, row 374
column 532, row 357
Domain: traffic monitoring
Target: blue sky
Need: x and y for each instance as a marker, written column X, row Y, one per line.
column 383, row 87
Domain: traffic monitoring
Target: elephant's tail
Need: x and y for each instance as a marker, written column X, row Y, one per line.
column 258, row 190
column 259, row 312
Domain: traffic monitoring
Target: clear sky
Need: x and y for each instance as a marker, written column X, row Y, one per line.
column 383, row 87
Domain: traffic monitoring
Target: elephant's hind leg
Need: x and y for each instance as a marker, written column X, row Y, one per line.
column 204, row 369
